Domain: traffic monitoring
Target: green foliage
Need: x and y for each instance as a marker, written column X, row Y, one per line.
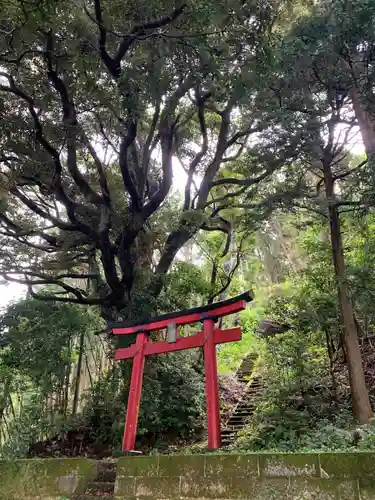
column 229, row 356
column 39, row 347
column 361, row 265
column 173, row 396
column 305, row 405
column 30, row 425
column 33, row 331
column 104, row 407
column 172, row 400
column 291, row 430
column 186, row 286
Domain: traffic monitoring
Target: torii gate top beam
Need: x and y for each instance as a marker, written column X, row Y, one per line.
column 184, row 317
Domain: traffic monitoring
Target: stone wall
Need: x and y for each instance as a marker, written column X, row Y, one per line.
column 326, row 476
column 251, row 477
column 45, row 479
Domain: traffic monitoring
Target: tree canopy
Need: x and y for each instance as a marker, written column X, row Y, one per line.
column 98, row 103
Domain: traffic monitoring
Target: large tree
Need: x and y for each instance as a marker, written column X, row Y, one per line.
column 98, row 101
column 316, row 93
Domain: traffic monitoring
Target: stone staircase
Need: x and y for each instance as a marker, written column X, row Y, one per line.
column 245, row 407
column 103, row 485
column 245, row 370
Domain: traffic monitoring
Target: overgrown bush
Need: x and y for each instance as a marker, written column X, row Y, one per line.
column 304, row 403
column 172, row 401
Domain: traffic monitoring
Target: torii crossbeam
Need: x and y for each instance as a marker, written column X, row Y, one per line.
column 207, row 338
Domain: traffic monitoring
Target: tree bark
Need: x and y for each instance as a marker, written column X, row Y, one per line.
column 360, row 399
column 4, row 398
column 366, row 122
column 330, row 352
column 78, row 375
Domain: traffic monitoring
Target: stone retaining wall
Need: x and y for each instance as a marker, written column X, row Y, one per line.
column 326, row 476
column 251, row 477
column 48, row 479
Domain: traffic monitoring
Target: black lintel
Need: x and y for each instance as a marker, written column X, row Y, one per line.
column 246, row 296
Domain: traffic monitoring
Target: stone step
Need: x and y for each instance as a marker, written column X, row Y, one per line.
column 243, row 409
column 91, row 497
column 246, row 362
column 238, row 416
column 239, row 411
column 242, row 415
column 235, row 426
column 97, row 488
column 106, row 476
column 106, row 472
column 105, row 465
column 241, row 418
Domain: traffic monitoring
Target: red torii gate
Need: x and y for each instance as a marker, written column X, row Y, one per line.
column 208, row 338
